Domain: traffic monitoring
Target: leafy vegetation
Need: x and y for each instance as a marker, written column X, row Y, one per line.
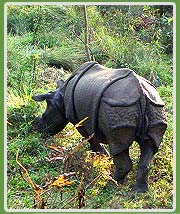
column 46, row 43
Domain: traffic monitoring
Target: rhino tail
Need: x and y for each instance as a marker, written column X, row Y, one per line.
column 143, row 118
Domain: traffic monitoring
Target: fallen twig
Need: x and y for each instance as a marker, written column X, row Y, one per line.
column 38, row 200
column 75, row 197
column 60, row 181
column 82, row 142
column 27, row 179
column 73, row 129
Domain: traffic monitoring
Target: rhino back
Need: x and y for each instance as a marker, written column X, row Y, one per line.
column 119, row 91
column 124, row 92
column 69, row 89
column 150, row 91
column 89, row 91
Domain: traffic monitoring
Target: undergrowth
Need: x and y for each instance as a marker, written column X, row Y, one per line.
column 48, row 172
column 46, row 164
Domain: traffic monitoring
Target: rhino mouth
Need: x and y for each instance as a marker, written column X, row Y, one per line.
column 42, row 127
column 45, row 128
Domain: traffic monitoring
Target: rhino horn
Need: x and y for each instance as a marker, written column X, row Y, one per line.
column 42, row 97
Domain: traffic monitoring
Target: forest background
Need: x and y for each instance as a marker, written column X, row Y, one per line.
column 47, row 43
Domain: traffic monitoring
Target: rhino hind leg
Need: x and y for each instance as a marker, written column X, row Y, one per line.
column 147, row 151
column 156, row 133
column 123, row 165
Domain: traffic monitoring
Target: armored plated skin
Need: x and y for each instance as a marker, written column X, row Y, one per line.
column 121, row 107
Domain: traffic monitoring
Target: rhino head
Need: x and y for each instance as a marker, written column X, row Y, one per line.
column 53, row 120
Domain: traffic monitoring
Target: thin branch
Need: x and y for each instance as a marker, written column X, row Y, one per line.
column 28, row 179
column 75, row 197
column 86, row 31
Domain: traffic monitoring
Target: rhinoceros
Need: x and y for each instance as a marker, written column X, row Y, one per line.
column 121, row 107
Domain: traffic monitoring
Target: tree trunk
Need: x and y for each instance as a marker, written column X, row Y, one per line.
column 86, row 32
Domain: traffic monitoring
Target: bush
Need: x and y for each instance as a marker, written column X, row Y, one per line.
column 46, row 43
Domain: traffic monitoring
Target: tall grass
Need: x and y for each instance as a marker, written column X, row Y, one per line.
column 45, row 43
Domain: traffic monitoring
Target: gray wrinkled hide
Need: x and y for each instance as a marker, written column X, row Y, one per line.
column 114, row 99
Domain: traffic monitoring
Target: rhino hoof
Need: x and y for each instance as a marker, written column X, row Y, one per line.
column 141, row 188
column 119, row 179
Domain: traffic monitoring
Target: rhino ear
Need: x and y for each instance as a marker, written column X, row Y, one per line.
column 42, row 97
column 60, row 84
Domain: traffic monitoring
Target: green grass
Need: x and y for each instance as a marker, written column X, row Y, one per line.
column 30, row 71
column 32, row 153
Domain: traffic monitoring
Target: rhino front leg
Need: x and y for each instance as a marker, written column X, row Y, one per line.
column 147, row 150
column 95, row 146
column 123, row 165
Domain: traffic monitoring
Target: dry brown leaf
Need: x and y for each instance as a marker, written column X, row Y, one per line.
column 61, row 182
